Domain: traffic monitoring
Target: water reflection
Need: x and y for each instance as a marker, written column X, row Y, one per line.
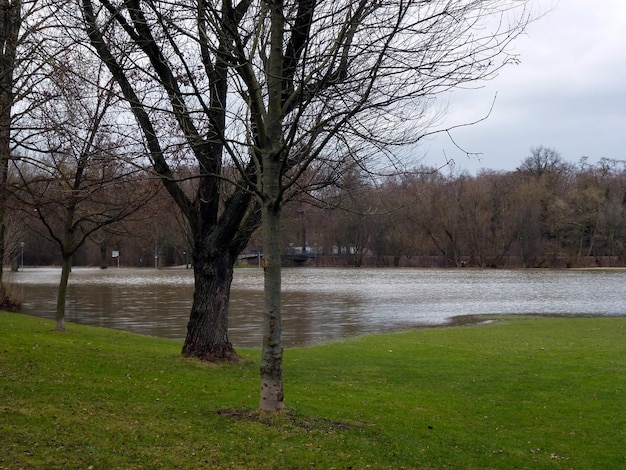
column 321, row 304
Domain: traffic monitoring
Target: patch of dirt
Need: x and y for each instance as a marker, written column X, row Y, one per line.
column 305, row 423
column 232, row 359
column 219, row 354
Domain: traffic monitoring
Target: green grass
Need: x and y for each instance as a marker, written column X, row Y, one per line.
column 519, row 393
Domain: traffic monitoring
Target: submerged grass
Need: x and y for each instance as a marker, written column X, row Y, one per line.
column 528, row 392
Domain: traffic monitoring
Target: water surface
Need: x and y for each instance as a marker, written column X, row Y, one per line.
column 321, row 304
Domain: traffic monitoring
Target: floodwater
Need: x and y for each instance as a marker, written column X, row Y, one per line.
column 320, row 304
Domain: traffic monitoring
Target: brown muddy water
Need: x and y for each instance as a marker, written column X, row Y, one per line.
column 320, row 304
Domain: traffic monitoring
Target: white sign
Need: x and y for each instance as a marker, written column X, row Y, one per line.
column 115, row 254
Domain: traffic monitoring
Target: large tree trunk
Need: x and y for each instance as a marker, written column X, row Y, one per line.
column 214, row 257
column 6, row 102
column 207, row 329
column 62, row 292
column 2, row 238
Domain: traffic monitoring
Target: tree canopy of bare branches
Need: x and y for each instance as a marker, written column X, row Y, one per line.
column 276, row 88
column 326, row 83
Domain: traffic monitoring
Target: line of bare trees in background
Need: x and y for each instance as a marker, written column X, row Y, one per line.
column 546, row 213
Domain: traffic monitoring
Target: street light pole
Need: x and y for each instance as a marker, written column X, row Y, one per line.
column 22, row 255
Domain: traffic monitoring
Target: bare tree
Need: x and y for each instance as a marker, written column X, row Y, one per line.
column 490, row 217
column 167, row 59
column 542, row 161
column 325, row 81
column 23, row 66
column 73, row 182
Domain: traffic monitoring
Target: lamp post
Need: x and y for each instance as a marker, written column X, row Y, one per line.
column 22, row 255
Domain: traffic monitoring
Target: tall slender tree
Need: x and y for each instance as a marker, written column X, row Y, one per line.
column 322, row 82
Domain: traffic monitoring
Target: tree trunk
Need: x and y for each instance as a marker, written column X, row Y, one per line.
column 10, row 22
column 62, row 292
column 104, row 262
column 214, row 257
column 5, row 149
column 207, row 329
column 272, row 157
column 272, row 396
column 15, row 263
column 2, row 235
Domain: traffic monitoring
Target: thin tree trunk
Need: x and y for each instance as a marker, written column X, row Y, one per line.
column 10, row 22
column 5, row 150
column 272, row 395
column 62, row 292
column 2, row 237
column 104, row 262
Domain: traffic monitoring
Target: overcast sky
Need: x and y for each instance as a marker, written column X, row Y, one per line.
column 568, row 93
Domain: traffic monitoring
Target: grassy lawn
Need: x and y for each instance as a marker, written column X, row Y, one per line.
column 518, row 393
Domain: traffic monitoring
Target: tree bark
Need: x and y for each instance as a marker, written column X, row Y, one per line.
column 10, row 22
column 272, row 395
column 216, row 247
column 272, row 157
column 207, row 329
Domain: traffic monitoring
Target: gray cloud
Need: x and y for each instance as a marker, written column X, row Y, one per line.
column 568, row 93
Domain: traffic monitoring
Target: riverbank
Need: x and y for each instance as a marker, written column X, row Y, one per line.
column 528, row 392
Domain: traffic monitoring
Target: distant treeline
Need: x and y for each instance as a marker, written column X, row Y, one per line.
column 546, row 213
